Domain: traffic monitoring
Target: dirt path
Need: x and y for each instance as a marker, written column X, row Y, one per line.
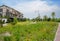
column 57, row 37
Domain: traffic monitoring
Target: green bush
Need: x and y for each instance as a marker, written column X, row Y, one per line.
column 7, row 38
column 1, row 23
column 14, row 21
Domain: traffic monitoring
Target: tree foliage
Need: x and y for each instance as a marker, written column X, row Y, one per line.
column 53, row 16
column 14, row 21
column 45, row 18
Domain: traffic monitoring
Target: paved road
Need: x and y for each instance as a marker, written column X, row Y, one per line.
column 57, row 37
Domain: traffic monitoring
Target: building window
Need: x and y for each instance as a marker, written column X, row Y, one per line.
column 1, row 10
column 8, row 14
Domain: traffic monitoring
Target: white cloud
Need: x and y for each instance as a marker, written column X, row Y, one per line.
column 29, row 9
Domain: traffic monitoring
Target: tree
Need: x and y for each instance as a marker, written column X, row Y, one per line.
column 33, row 19
column 58, row 19
column 53, row 16
column 49, row 19
column 45, row 18
column 38, row 18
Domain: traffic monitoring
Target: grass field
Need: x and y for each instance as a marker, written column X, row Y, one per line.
column 31, row 31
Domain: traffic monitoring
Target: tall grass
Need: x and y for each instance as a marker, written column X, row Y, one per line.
column 30, row 31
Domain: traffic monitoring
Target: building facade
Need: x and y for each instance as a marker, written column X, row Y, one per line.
column 6, row 11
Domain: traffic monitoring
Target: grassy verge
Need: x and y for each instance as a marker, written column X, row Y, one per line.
column 31, row 31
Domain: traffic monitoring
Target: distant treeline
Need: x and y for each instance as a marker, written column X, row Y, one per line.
column 37, row 19
column 45, row 18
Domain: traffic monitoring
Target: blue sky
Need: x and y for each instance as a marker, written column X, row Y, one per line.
column 14, row 2
column 30, row 8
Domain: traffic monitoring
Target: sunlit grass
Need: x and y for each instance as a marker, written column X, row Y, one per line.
column 32, row 31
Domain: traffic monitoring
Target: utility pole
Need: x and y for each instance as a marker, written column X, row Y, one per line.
column 38, row 13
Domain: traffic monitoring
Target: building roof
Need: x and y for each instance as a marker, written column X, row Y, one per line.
column 11, row 8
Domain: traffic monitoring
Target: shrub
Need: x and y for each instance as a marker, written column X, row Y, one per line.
column 9, row 20
column 1, row 23
column 14, row 21
column 6, row 38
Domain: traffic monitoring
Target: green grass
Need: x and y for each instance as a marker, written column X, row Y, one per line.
column 29, row 31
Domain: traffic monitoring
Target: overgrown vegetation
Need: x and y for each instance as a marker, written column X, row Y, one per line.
column 46, row 18
column 36, row 29
column 30, row 31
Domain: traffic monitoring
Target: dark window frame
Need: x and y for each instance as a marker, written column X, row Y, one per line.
column 1, row 10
